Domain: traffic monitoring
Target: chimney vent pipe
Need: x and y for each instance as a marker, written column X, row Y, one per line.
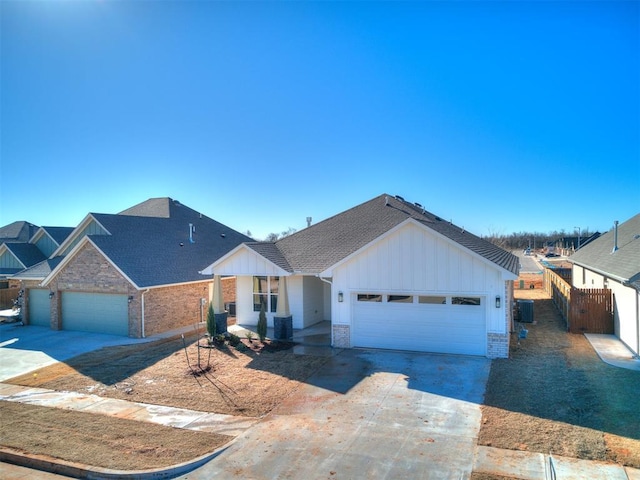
column 615, row 236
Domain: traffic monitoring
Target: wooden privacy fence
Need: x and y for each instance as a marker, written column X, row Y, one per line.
column 585, row 310
column 7, row 296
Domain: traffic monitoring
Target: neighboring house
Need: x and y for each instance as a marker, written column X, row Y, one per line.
column 15, row 257
column 17, row 232
column 133, row 273
column 386, row 274
column 613, row 261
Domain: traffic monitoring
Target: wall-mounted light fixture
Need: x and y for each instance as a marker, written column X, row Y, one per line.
column 51, row 294
column 340, row 297
column 497, row 301
column 130, row 298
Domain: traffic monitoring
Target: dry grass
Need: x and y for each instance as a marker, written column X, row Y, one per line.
column 554, row 395
column 98, row 440
column 246, row 382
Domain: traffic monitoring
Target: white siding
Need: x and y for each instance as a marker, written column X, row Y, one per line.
column 246, row 262
column 416, row 261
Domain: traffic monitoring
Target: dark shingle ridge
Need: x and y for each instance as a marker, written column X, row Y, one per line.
column 324, row 244
column 156, row 250
column 271, row 252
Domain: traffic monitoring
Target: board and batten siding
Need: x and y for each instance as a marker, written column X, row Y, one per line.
column 46, row 245
column 247, row 262
column 414, row 260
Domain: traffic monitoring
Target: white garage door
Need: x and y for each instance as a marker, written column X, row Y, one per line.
column 95, row 312
column 425, row 323
column 39, row 307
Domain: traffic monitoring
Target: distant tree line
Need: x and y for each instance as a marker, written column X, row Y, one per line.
column 533, row 240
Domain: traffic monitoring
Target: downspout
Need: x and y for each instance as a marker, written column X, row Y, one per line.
column 142, row 297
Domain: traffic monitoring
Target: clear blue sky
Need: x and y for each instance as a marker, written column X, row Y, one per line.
column 501, row 116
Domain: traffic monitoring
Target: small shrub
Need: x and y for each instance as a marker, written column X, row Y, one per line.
column 241, row 347
column 262, row 324
column 234, row 340
column 249, row 336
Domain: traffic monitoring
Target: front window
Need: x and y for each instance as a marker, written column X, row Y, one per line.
column 265, row 292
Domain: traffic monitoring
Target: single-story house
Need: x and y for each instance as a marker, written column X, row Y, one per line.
column 134, row 273
column 613, row 261
column 386, row 274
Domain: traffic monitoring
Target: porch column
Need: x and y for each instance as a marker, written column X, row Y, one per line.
column 283, row 321
column 219, row 313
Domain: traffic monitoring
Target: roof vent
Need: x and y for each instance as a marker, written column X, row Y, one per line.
column 615, row 236
column 308, row 221
column 417, row 205
column 192, row 229
column 386, row 201
column 399, row 198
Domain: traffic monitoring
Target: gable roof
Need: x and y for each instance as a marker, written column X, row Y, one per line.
column 17, row 232
column 622, row 264
column 58, row 234
column 26, row 253
column 161, row 250
column 320, row 246
column 39, row 271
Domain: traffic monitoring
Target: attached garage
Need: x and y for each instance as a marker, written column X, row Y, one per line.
column 95, row 312
column 39, row 303
column 426, row 323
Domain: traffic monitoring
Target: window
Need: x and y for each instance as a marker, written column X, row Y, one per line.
column 432, row 299
column 400, row 298
column 465, row 301
column 265, row 292
column 367, row 297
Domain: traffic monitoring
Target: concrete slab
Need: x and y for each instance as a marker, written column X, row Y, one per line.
column 510, row 463
column 574, row 469
column 632, row 473
column 222, row 424
column 167, row 416
column 612, row 351
column 367, row 414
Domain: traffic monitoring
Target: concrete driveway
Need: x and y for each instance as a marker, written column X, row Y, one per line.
column 27, row 348
column 368, row 414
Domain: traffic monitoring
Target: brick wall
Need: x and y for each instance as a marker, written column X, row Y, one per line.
column 228, row 289
column 341, row 336
column 168, row 308
column 498, row 345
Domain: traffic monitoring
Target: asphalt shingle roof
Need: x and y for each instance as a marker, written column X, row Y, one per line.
column 27, row 253
column 59, row 234
column 324, row 244
column 155, row 251
column 624, row 263
column 39, row 270
column 18, row 232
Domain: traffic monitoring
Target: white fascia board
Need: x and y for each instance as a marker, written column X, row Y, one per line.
column 69, row 257
column 506, row 273
column 76, row 231
column 41, row 231
column 602, row 272
column 211, row 268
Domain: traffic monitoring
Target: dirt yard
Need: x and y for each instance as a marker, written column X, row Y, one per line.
column 554, row 395
column 246, row 381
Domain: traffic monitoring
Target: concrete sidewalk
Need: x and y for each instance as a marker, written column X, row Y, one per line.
column 611, row 350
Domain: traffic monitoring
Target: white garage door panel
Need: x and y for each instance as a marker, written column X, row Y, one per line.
column 457, row 329
column 95, row 312
column 39, row 308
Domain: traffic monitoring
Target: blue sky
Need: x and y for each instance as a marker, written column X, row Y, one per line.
column 501, row 116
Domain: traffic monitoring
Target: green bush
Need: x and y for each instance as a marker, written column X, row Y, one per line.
column 262, row 324
column 234, row 340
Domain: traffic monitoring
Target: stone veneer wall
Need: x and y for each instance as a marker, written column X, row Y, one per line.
column 341, row 336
